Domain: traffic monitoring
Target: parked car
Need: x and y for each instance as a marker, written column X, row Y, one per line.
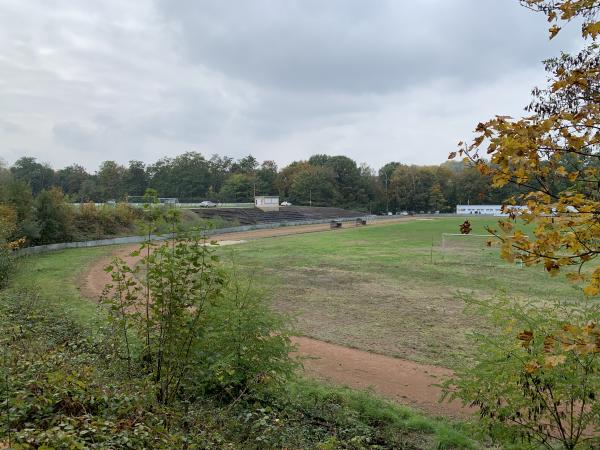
column 286, row 204
column 207, row 204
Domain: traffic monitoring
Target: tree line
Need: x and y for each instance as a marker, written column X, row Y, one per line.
column 322, row 180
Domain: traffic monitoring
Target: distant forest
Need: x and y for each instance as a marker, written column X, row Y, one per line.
column 321, row 180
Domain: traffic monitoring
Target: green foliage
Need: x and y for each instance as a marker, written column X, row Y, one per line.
column 324, row 179
column 6, row 264
column 537, row 377
column 92, row 222
column 312, row 185
column 54, row 217
column 8, row 224
column 37, row 176
column 239, row 187
column 69, row 389
column 181, row 279
column 202, row 331
column 243, row 347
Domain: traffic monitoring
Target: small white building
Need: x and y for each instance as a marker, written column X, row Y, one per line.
column 267, row 202
column 484, row 210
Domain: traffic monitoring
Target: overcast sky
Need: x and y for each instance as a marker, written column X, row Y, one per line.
column 376, row 80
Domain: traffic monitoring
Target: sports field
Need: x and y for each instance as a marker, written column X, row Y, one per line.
column 390, row 289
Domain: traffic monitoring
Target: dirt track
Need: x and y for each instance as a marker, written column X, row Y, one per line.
column 401, row 380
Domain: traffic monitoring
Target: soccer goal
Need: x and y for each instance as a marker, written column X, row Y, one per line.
column 471, row 249
column 475, row 242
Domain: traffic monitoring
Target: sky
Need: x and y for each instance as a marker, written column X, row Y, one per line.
column 375, row 80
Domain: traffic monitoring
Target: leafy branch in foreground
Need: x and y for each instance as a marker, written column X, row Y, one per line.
column 555, row 154
column 537, row 377
column 182, row 277
column 192, row 326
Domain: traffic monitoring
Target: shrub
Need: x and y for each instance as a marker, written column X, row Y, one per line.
column 243, row 347
column 54, row 217
column 202, row 329
column 537, row 378
column 8, row 225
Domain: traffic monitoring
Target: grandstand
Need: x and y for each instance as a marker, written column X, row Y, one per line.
column 253, row 216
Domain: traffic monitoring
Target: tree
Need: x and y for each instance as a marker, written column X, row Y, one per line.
column 247, row 165
column 558, row 144
column 91, row 191
column 536, row 377
column 110, row 180
column 349, row 188
column 239, row 187
column 71, row 179
column 19, row 196
column 219, row 168
column 37, row 176
column 411, row 186
column 436, row 201
column 265, row 178
column 188, row 176
column 54, row 217
column 8, row 225
column 286, row 176
column 312, row 186
column 135, row 179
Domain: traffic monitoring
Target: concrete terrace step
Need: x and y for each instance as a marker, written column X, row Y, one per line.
column 253, row 216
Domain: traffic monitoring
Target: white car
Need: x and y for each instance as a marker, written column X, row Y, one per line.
column 207, row 204
column 286, row 204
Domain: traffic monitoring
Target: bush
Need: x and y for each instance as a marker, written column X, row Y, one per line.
column 243, row 347
column 66, row 389
column 537, row 378
column 8, row 225
column 90, row 222
column 55, row 217
column 202, row 330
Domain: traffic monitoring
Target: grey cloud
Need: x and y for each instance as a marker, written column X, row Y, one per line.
column 357, row 46
column 9, row 127
column 378, row 80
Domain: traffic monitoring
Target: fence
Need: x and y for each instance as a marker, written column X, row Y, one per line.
column 211, row 232
column 174, row 205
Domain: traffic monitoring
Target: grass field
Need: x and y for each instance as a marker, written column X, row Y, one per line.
column 389, row 288
column 54, row 278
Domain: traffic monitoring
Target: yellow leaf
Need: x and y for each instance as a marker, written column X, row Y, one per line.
column 591, row 290
column 553, row 361
column 553, row 31
column 592, row 29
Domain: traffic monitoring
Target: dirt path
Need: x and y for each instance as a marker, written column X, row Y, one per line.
column 401, row 380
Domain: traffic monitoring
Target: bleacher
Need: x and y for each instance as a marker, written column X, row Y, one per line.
column 253, row 216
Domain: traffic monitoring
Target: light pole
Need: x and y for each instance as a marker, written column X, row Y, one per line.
column 387, row 199
column 310, row 197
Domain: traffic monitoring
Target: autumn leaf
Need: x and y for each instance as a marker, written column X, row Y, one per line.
column 553, row 361
column 532, row 367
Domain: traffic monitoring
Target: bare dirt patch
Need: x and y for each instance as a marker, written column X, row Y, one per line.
column 375, row 313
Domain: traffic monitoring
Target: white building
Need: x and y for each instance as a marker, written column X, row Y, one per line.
column 484, row 210
column 267, row 202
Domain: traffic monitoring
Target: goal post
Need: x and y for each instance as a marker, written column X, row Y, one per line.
column 467, row 241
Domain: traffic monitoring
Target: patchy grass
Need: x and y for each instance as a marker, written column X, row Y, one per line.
column 390, row 288
column 55, row 276
column 306, row 415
